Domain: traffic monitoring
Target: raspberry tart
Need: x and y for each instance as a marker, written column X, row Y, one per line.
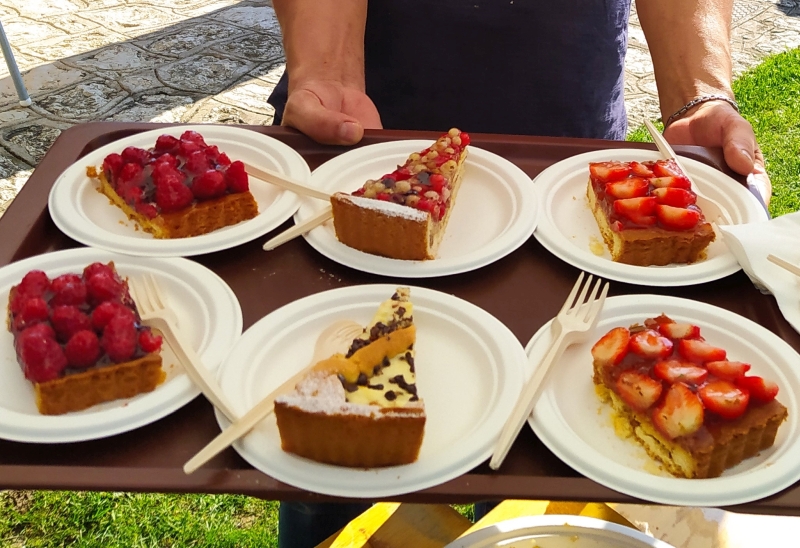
column 693, row 410
column 79, row 340
column 647, row 213
column 181, row 187
column 403, row 215
column 360, row 409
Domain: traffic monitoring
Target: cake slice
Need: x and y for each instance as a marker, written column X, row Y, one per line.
column 403, row 215
column 693, row 410
column 360, row 409
column 181, row 187
column 647, row 213
column 79, row 339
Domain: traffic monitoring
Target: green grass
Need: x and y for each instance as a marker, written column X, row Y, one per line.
column 769, row 96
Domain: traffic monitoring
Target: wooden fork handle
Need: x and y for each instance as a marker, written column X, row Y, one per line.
column 527, row 400
column 299, row 229
column 285, row 182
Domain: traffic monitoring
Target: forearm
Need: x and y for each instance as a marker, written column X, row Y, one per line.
column 323, row 39
column 689, row 42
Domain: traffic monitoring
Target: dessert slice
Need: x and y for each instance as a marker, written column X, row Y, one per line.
column 647, row 213
column 693, row 410
column 403, row 214
column 79, row 340
column 181, row 187
column 360, row 409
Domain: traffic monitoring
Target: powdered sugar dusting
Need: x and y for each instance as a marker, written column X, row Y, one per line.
column 389, row 208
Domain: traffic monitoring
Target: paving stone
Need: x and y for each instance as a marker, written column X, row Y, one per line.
column 21, row 32
column 251, row 95
column 190, row 39
column 46, row 8
column 87, row 101
column 212, row 111
column 133, row 20
column 65, row 49
column 258, row 47
column 153, row 106
column 31, row 141
column 118, row 57
column 203, row 73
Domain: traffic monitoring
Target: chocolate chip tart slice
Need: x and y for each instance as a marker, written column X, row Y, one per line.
column 360, row 409
column 403, row 215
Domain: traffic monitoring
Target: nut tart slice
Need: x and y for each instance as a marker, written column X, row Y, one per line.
column 694, row 410
column 403, row 215
column 360, row 409
column 647, row 213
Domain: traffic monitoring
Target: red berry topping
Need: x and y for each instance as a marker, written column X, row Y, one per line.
column 120, row 338
column 210, row 184
column 68, row 289
column 149, row 341
column 465, row 139
column 676, row 197
column 761, row 390
column 728, row 370
column 166, row 143
column 97, row 268
column 632, row 187
column 136, row 155
column 34, row 310
column 607, row 172
column 34, row 284
column 236, row 178
column 724, row 398
column 112, row 164
column 437, row 182
column 82, row 349
column 41, row 356
column 641, row 170
column 68, row 320
column 148, row 210
column 671, row 182
column 612, row 347
column 638, row 390
column 197, row 162
column 677, row 218
column 666, row 168
column 675, row 330
column 680, row 371
column 638, row 210
column 185, row 148
column 105, row 286
column 680, row 414
column 193, row 137
column 130, row 174
column 167, row 159
column 649, row 343
column 171, row 196
column 700, row 351
column 107, row 310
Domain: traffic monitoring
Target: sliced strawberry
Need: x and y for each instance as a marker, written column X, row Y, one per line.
column 639, row 210
column 727, row 370
column 676, row 330
column 698, row 350
column 677, row 218
column 632, row 187
column 649, row 343
column 674, row 371
column 760, row 389
column 724, row 398
column 681, row 413
column 637, row 390
column 667, row 168
column 641, row 170
column 671, row 182
column 612, row 347
column 607, row 172
column 676, row 197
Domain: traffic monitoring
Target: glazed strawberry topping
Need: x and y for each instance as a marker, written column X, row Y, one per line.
column 75, row 321
column 173, row 174
column 639, row 195
column 667, row 369
column 422, row 182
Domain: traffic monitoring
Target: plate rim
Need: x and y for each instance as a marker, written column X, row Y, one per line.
column 395, row 480
column 508, row 241
column 70, row 182
column 549, row 236
column 668, row 489
column 184, row 390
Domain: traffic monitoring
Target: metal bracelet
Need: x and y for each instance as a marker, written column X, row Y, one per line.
column 702, row 99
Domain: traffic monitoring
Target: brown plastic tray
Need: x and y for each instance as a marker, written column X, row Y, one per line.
column 524, row 290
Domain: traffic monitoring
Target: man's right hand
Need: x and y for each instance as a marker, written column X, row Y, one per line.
column 330, row 113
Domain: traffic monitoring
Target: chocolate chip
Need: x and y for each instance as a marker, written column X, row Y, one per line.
column 391, row 396
column 401, row 311
column 385, row 362
column 375, row 386
column 376, row 369
column 410, row 359
column 362, row 379
column 348, row 386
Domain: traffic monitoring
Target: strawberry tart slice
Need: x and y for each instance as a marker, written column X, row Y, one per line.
column 647, row 213
column 181, row 187
column 79, row 339
column 693, row 409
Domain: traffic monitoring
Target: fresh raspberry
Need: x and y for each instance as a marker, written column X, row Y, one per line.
column 172, row 196
column 96, row 268
column 82, row 349
column 193, row 137
column 111, row 166
column 149, row 341
column 68, row 289
column 210, row 184
column 136, row 155
column 236, row 178
column 166, row 173
column 197, row 162
column 105, row 287
column 34, row 310
column 185, row 148
column 166, row 143
column 168, row 159
column 132, row 194
column 130, row 174
column 465, row 140
column 220, row 159
column 437, row 182
column 68, row 320
column 107, row 310
column 34, row 284
column 148, row 210
column 41, row 356
column 120, row 338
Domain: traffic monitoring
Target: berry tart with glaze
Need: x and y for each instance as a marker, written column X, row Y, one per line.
column 79, row 339
column 181, row 187
column 693, row 410
column 403, row 215
column 360, row 409
column 647, row 213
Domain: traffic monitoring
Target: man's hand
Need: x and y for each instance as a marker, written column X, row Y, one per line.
column 717, row 124
column 330, row 113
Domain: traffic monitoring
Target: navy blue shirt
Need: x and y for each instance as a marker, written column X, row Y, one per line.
column 531, row 67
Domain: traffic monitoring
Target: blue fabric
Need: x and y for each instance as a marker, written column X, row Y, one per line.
column 531, row 67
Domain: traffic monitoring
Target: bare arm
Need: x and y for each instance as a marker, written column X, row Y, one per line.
column 324, row 44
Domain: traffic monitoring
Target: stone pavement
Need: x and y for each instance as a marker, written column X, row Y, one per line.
column 217, row 61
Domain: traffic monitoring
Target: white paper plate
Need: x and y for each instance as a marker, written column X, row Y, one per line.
column 469, row 374
column 573, row 423
column 207, row 310
column 567, row 227
column 557, row 531
column 496, row 211
column 85, row 215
